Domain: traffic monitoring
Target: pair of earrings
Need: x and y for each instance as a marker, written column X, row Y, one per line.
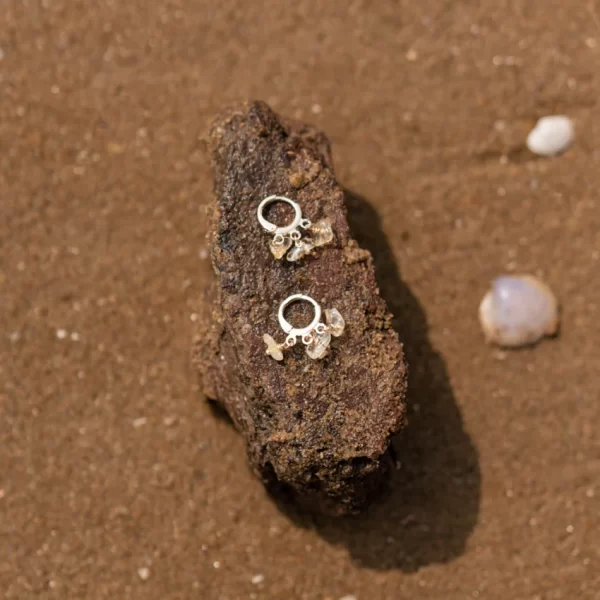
column 317, row 335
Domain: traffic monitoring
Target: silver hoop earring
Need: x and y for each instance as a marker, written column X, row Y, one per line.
column 316, row 336
column 287, row 235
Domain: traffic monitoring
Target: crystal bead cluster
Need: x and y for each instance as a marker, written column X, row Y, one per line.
column 322, row 234
column 317, row 340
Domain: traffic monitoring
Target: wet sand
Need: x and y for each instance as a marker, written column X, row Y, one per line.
column 112, row 462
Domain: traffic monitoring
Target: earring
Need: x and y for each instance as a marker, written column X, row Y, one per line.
column 288, row 235
column 316, row 336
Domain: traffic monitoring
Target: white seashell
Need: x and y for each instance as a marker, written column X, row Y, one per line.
column 517, row 311
column 551, row 135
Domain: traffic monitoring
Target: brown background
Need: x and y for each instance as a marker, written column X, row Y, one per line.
column 110, row 461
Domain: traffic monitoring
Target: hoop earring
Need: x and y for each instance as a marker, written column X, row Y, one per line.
column 316, row 336
column 287, row 235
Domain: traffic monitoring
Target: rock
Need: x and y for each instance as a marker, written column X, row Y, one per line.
column 318, row 430
column 519, row 310
column 551, row 135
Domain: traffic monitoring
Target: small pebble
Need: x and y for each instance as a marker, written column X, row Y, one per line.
column 144, row 573
column 61, row 334
column 517, row 311
column 258, row 579
column 551, row 135
column 412, row 55
column 139, row 422
column 115, row 148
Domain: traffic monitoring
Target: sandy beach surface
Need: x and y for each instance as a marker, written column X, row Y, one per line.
column 116, row 479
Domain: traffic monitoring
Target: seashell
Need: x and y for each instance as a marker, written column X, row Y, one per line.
column 518, row 310
column 551, row 135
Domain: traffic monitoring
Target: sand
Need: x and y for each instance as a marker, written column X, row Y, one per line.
column 116, row 478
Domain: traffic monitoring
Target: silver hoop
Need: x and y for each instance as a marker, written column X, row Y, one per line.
column 293, row 236
column 271, row 227
column 288, row 327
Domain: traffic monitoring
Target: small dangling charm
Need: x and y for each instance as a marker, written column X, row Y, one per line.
column 290, row 235
column 316, row 336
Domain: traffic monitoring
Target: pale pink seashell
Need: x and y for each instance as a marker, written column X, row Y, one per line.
column 518, row 311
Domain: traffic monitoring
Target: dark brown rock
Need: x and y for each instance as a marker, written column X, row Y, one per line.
column 320, row 430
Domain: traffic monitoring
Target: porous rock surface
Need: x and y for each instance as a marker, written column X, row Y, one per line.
column 318, row 430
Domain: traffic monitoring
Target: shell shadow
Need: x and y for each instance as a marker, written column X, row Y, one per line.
column 432, row 504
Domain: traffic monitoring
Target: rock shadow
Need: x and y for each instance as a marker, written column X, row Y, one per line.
column 432, row 505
